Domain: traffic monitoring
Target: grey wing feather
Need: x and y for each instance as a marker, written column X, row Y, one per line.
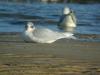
column 45, row 34
column 61, row 19
column 73, row 17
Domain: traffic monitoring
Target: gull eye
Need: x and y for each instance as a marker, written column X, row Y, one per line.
column 31, row 26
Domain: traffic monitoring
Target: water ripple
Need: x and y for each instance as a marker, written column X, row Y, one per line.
column 88, row 16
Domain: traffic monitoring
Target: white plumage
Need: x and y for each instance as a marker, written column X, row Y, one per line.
column 43, row 35
column 67, row 19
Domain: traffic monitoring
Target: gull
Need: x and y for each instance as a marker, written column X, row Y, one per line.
column 43, row 35
column 67, row 19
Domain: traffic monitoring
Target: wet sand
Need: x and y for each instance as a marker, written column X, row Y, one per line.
column 64, row 57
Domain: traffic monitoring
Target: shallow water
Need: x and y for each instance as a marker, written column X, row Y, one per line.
column 13, row 16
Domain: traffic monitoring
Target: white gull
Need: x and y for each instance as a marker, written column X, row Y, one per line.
column 67, row 19
column 43, row 35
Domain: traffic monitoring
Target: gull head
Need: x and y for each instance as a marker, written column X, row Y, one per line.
column 66, row 10
column 30, row 26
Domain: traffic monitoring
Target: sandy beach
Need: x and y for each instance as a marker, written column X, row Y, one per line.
column 63, row 57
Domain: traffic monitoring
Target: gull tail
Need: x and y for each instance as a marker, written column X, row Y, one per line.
column 69, row 35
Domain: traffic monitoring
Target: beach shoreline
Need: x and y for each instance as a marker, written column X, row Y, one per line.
column 63, row 57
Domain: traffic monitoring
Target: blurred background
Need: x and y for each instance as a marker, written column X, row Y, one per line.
column 14, row 14
column 52, row 1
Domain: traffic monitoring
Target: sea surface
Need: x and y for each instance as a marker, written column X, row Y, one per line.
column 14, row 16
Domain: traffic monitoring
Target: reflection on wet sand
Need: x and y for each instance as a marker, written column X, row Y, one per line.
column 70, row 29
